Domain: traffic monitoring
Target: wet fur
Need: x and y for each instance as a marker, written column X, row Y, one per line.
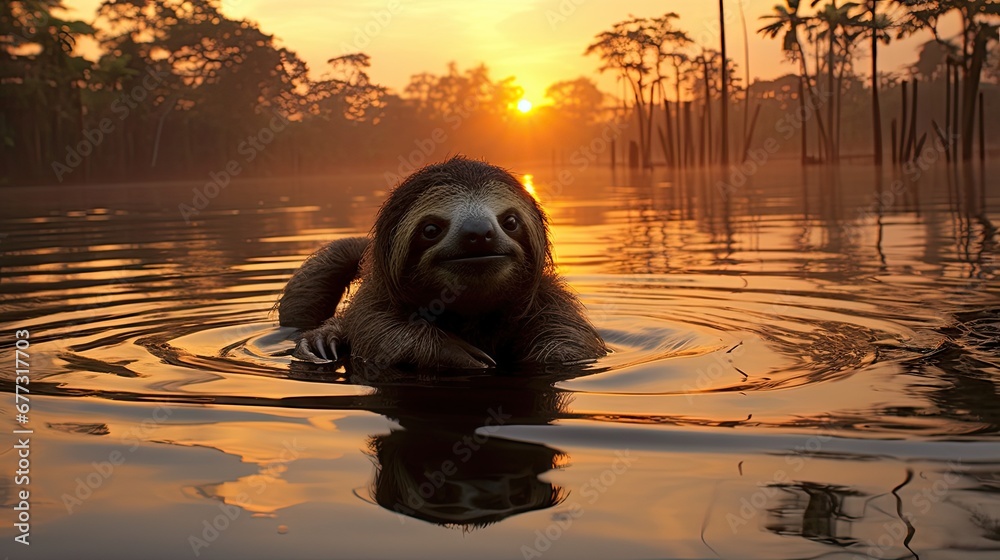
column 411, row 310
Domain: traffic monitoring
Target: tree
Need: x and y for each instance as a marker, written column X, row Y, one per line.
column 931, row 61
column 42, row 85
column 354, row 93
column 725, row 85
column 625, row 49
column 637, row 48
column 876, row 24
column 578, row 100
column 786, row 21
column 980, row 21
column 834, row 18
column 459, row 94
column 222, row 79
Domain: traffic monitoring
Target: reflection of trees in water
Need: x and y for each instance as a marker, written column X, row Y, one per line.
column 820, row 512
column 853, row 218
column 985, row 514
column 845, row 517
column 974, row 233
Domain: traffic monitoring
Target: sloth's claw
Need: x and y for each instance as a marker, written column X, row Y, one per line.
column 318, row 347
column 458, row 353
column 305, row 353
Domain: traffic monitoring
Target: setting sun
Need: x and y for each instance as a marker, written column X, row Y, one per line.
column 524, row 105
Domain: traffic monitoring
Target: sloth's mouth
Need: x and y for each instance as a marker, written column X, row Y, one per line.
column 475, row 259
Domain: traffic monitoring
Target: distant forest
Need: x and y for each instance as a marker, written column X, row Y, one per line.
column 182, row 91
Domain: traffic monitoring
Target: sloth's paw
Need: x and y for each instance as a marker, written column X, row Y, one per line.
column 457, row 353
column 322, row 345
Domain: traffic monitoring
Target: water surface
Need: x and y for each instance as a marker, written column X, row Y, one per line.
column 805, row 366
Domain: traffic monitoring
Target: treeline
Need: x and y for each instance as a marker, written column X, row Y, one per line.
column 181, row 90
column 678, row 94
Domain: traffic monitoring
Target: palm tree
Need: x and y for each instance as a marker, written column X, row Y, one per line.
column 787, row 20
column 876, row 25
column 834, row 17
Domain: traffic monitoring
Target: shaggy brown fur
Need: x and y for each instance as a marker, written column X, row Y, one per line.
column 457, row 273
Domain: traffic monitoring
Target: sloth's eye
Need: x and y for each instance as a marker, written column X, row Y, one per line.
column 510, row 223
column 431, row 231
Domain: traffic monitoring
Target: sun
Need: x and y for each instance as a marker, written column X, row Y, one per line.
column 524, row 105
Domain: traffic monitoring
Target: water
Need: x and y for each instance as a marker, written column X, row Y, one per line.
column 799, row 371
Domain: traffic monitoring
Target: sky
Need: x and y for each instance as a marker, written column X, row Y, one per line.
column 539, row 42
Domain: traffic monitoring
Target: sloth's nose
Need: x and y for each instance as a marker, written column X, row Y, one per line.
column 477, row 234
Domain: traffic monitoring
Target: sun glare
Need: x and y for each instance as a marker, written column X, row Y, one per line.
column 524, row 105
column 528, row 180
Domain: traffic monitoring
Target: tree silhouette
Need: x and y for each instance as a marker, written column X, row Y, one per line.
column 785, row 21
column 876, row 24
column 40, row 82
column 725, row 85
column 980, row 22
column 578, row 100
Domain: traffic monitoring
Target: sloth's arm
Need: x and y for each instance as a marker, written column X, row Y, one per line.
column 557, row 330
column 387, row 339
column 312, row 294
column 379, row 335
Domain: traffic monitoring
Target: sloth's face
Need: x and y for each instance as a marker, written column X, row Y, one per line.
column 473, row 245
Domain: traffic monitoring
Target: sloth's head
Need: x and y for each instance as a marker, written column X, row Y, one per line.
column 462, row 231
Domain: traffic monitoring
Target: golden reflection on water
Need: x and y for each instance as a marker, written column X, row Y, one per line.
column 794, row 370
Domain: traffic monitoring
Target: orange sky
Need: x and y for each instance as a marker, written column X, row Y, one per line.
column 529, row 39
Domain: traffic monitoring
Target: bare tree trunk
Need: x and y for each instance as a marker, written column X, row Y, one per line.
column 912, row 140
column 971, row 91
column 947, row 110
column 671, row 159
column 725, row 86
column 680, row 126
column 903, row 123
column 982, row 130
column 708, row 107
column 876, row 110
column 833, row 93
column 824, row 140
column 955, row 104
column 746, row 74
column 805, row 135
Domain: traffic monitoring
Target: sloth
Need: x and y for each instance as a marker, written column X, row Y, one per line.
column 457, row 272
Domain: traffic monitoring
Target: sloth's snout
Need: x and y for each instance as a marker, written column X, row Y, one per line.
column 477, row 235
